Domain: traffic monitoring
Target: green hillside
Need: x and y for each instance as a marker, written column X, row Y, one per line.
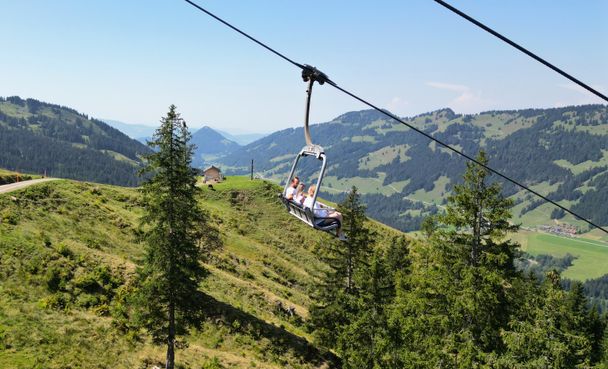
column 7, row 176
column 405, row 177
column 68, row 251
column 39, row 137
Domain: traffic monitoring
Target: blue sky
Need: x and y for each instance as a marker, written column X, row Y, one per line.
column 129, row 60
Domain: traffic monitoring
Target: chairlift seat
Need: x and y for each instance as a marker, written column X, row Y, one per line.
column 306, row 215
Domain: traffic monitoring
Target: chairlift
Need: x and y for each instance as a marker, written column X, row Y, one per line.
column 306, row 214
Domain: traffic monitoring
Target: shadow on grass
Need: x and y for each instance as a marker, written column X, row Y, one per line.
column 283, row 341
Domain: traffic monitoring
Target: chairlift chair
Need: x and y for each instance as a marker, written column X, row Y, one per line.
column 305, row 214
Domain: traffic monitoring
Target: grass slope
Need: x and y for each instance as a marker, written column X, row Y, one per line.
column 68, row 251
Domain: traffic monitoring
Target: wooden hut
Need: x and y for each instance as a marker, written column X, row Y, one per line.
column 213, row 174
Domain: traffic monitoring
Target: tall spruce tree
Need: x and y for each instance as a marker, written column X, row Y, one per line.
column 368, row 341
column 458, row 296
column 174, row 225
column 477, row 221
column 336, row 296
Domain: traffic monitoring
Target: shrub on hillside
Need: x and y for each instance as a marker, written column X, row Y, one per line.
column 9, row 216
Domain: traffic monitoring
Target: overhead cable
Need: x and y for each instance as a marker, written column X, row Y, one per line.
column 522, row 49
column 394, row 117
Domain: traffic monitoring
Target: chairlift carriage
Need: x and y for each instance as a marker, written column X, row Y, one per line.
column 306, row 214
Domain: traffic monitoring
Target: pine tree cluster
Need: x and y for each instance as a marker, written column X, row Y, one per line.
column 452, row 299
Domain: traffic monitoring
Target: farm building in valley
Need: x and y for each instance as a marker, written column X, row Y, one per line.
column 213, row 174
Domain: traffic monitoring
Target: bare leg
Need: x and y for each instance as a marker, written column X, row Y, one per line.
column 338, row 216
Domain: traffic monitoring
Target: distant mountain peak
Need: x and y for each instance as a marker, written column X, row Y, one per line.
column 210, row 144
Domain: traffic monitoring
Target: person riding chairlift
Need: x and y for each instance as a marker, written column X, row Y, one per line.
column 321, row 210
column 292, row 189
column 300, row 195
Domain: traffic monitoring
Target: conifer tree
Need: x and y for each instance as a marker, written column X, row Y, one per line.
column 595, row 329
column 479, row 217
column 336, row 296
column 457, row 298
column 168, row 300
column 549, row 339
column 356, row 250
column 368, row 341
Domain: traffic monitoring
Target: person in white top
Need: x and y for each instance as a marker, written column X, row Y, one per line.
column 323, row 211
column 291, row 190
column 300, row 196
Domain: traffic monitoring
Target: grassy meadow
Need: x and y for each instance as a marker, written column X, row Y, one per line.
column 592, row 256
column 69, row 252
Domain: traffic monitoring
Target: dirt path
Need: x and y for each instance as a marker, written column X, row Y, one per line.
column 19, row 185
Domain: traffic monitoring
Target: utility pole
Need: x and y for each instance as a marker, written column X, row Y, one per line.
column 252, row 169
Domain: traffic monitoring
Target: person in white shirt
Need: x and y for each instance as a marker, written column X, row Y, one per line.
column 300, row 196
column 291, row 190
column 322, row 211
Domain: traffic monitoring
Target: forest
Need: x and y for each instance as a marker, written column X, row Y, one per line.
column 40, row 138
column 454, row 299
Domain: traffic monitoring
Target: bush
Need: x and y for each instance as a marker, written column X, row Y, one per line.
column 86, row 300
column 213, row 363
column 56, row 301
column 56, row 278
column 64, row 250
column 9, row 217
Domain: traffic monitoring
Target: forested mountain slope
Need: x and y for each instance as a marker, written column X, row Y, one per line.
column 68, row 253
column 561, row 152
column 38, row 137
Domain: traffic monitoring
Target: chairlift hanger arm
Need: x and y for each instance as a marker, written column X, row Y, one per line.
column 311, row 74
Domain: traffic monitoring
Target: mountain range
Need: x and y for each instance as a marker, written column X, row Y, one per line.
column 404, row 176
column 210, row 143
column 44, row 138
column 139, row 132
column 242, row 139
